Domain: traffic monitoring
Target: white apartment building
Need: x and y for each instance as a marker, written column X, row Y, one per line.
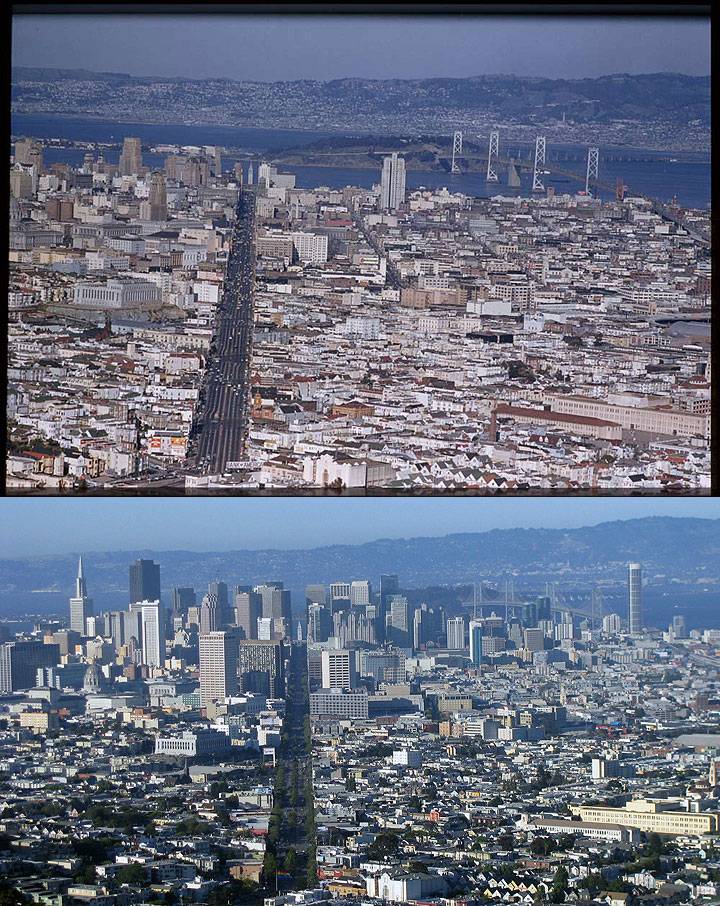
column 310, row 248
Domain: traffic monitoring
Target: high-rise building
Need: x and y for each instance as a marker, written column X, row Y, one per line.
column 248, row 609
column 158, row 196
column 360, row 592
column 476, row 636
column 389, row 585
column 144, row 581
column 130, row 157
column 20, row 660
column 81, row 606
column 456, row 633
column 260, row 667
column 315, row 594
column 210, row 620
column 392, row 184
column 319, row 623
column 29, row 152
column 276, row 606
column 338, row 669
column 399, row 620
column 340, row 591
column 218, row 665
column 635, row 619
column 153, row 633
column 220, row 590
column 678, row 627
column 182, row 599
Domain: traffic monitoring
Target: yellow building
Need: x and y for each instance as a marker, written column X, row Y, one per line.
column 652, row 817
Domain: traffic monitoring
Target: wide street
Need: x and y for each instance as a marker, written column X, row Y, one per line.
column 218, row 432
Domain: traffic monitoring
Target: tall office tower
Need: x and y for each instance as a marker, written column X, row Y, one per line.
column 338, row 669
column 210, row 614
column 19, row 663
column 635, row 620
column 220, row 590
column 29, row 152
column 218, row 665
column 130, row 157
column 264, row 629
column 248, row 609
column 238, row 174
column 250, row 174
column 476, row 636
column 456, row 633
column 678, row 627
column 360, row 592
column 315, row 594
column 153, row 634
column 392, row 184
column 389, row 585
column 319, row 623
column 260, row 666
column 276, row 606
column 158, row 196
column 144, row 581
column 399, row 620
column 181, row 600
column 340, row 591
column 117, row 628
column 81, row 607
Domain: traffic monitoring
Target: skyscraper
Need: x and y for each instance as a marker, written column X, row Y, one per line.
column 399, row 620
column 476, row 642
column 153, row 633
column 248, row 609
column 635, row 619
column 456, row 633
column 210, row 614
column 319, row 623
column 260, row 665
column 392, row 185
column 276, row 606
column 28, row 151
column 182, row 599
column 360, row 592
column 130, row 157
column 338, row 669
column 389, row 585
column 144, row 581
column 220, row 590
column 19, row 662
column 158, row 196
column 218, row 665
column 81, row 606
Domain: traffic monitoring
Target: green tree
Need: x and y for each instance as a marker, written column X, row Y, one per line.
column 383, row 846
column 131, row 874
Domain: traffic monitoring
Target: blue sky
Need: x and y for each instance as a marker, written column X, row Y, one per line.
column 41, row 526
column 273, row 48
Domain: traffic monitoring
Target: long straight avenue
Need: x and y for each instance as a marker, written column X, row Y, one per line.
column 221, row 417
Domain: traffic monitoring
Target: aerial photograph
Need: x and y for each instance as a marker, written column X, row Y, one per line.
column 314, row 254
column 359, row 702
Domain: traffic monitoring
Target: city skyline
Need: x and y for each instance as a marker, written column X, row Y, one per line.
column 335, row 47
column 36, row 527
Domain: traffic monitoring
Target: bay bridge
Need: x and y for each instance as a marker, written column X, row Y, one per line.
column 506, row 604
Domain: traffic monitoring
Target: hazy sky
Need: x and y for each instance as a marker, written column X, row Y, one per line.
column 59, row 525
column 270, row 48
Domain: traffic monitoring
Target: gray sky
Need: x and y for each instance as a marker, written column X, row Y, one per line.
column 39, row 526
column 273, row 48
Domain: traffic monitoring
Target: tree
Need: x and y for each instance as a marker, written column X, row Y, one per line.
column 506, row 841
column 290, row 863
column 383, row 846
column 131, row 874
column 559, row 885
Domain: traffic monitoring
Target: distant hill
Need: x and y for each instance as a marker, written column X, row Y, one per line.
column 685, row 549
column 672, row 99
